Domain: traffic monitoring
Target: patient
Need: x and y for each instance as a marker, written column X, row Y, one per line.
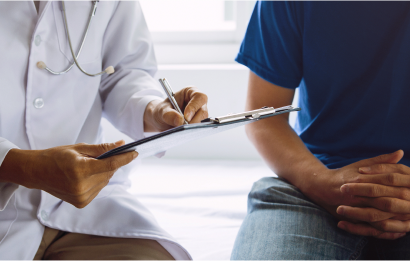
column 343, row 189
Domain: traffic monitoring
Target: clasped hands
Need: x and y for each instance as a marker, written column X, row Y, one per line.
column 371, row 197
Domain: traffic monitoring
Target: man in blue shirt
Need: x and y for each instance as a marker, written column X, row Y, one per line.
column 343, row 186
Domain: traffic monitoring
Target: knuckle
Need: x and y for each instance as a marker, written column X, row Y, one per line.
column 359, row 179
column 204, row 114
column 375, row 233
column 388, row 205
column 105, row 146
column 373, row 217
column 374, row 191
column 400, row 167
column 381, row 167
column 80, row 202
column 404, row 194
column 113, row 165
column 383, row 225
column 392, row 179
column 204, row 97
column 77, row 189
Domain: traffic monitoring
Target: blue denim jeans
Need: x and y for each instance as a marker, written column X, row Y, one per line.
column 283, row 224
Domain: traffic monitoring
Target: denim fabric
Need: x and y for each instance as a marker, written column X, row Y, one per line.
column 283, row 224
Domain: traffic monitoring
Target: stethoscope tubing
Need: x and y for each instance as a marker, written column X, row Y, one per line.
column 42, row 65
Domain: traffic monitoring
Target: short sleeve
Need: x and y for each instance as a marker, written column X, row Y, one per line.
column 272, row 47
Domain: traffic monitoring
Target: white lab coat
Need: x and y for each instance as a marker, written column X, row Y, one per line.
column 71, row 113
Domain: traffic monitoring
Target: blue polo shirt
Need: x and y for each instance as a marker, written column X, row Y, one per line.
column 351, row 62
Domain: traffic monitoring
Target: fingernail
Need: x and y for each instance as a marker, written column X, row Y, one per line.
column 340, row 210
column 135, row 154
column 344, row 188
column 189, row 116
column 117, row 143
column 364, row 169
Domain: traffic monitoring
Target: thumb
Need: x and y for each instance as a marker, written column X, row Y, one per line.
column 96, row 150
column 391, row 158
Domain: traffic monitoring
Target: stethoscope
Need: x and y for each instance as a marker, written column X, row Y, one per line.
column 42, row 65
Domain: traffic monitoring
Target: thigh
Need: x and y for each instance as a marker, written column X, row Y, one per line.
column 73, row 246
column 283, row 224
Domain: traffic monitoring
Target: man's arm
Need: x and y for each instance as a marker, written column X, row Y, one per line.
column 289, row 158
column 274, row 138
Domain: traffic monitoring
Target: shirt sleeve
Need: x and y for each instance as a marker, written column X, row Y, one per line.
column 128, row 47
column 6, row 189
column 272, row 47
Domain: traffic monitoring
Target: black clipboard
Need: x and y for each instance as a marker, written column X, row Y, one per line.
column 182, row 134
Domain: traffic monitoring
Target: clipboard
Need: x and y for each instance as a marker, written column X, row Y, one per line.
column 185, row 133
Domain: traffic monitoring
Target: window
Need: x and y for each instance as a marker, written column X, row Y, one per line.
column 196, row 27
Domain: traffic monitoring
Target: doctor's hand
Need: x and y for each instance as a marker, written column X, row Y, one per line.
column 161, row 115
column 70, row 173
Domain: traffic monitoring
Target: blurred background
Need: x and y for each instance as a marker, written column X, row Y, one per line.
column 198, row 191
column 196, row 42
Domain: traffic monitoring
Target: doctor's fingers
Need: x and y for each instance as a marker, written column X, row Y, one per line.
column 99, row 166
column 95, row 150
column 170, row 117
column 196, row 100
column 201, row 114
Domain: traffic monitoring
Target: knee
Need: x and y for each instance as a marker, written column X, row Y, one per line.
column 272, row 190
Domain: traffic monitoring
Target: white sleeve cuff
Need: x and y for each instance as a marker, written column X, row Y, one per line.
column 136, row 107
column 6, row 189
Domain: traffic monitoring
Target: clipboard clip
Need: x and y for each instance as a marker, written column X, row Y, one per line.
column 254, row 114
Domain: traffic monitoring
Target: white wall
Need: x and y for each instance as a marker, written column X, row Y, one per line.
column 226, row 87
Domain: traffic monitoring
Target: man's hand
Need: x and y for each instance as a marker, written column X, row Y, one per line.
column 385, row 191
column 70, row 173
column 160, row 116
column 325, row 190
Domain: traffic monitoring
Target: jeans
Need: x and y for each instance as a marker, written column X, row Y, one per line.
column 284, row 224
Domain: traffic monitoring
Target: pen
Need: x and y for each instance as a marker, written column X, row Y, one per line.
column 170, row 94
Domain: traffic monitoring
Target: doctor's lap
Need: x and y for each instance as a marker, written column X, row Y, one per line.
column 56, row 200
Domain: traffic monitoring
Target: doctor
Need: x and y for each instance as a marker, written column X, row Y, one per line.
column 56, row 200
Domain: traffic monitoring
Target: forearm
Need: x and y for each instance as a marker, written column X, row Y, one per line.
column 284, row 151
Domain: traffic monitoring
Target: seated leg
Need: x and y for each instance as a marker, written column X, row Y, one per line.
column 283, row 224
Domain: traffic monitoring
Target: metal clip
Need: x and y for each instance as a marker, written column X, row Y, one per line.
column 249, row 114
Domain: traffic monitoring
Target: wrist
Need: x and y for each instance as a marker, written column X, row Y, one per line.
column 149, row 119
column 311, row 179
column 16, row 167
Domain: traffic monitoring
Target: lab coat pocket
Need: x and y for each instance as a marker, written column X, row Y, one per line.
column 78, row 15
